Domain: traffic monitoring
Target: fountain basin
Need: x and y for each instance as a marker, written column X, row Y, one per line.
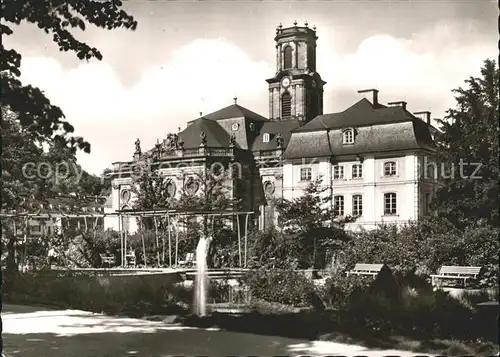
column 227, row 308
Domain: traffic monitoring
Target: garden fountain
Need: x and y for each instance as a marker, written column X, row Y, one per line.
column 201, row 278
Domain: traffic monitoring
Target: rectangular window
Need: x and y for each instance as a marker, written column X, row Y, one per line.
column 427, row 203
column 357, row 205
column 338, row 202
column 357, row 171
column 390, row 168
column 305, row 174
column 390, row 203
column 338, row 172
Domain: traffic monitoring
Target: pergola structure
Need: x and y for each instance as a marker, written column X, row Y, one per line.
column 171, row 213
column 163, row 213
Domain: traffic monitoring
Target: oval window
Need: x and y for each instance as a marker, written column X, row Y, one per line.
column 125, row 196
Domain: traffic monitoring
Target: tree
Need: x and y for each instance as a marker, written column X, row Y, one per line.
column 209, row 191
column 312, row 223
column 37, row 115
column 18, row 146
column 469, row 134
column 151, row 192
column 29, row 179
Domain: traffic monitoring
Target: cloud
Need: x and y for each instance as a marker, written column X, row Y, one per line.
column 422, row 70
column 206, row 74
column 203, row 76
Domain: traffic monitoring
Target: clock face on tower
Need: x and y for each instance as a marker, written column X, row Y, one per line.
column 285, row 82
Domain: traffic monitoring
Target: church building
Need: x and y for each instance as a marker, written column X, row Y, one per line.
column 371, row 157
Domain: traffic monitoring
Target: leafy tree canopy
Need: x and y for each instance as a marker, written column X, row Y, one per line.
column 469, row 134
column 312, row 221
column 37, row 115
column 29, row 174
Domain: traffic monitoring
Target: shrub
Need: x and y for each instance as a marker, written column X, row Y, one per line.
column 285, row 286
column 110, row 294
column 425, row 315
column 339, row 289
column 423, row 247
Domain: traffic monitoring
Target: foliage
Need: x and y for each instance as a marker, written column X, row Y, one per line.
column 271, row 245
column 283, row 285
column 135, row 295
column 423, row 247
column 419, row 315
column 313, row 223
column 85, row 248
column 37, row 115
column 469, row 134
column 150, row 191
column 23, row 188
column 339, row 289
column 212, row 194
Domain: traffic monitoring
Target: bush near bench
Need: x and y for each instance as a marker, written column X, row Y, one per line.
column 401, row 304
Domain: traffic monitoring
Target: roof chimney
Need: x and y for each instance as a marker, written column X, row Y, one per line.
column 426, row 115
column 201, row 113
column 374, row 95
column 400, row 103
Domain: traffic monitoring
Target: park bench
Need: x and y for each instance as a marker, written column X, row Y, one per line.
column 130, row 259
column 109, row 260
column 366, row 269
column 455, row 273
column 188, row 261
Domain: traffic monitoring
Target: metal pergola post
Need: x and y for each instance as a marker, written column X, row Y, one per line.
column 121, row 214
column 169, row 242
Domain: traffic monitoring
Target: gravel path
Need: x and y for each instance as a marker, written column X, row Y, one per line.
column 38, row 332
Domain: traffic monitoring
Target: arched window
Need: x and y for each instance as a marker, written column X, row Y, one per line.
column 348, row 136
column 286, row 105
column 287, row 54
column 126, row 219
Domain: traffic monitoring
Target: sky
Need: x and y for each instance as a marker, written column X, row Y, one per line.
column 188, row 57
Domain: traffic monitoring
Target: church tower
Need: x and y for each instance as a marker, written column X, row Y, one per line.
column 296, row 91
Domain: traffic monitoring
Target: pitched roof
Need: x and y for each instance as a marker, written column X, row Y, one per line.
column 234, row 111
column 284, row 128
column 378, row 129
column 216, row 136
column 407, row 135
column 362, row 113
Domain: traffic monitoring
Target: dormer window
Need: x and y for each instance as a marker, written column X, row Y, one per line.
column 348, row 136
column 251, row 126
column 266, row 137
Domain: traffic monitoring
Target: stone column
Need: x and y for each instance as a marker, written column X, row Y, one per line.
column 306, row 65
column 271, row 112
column 278, row 58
